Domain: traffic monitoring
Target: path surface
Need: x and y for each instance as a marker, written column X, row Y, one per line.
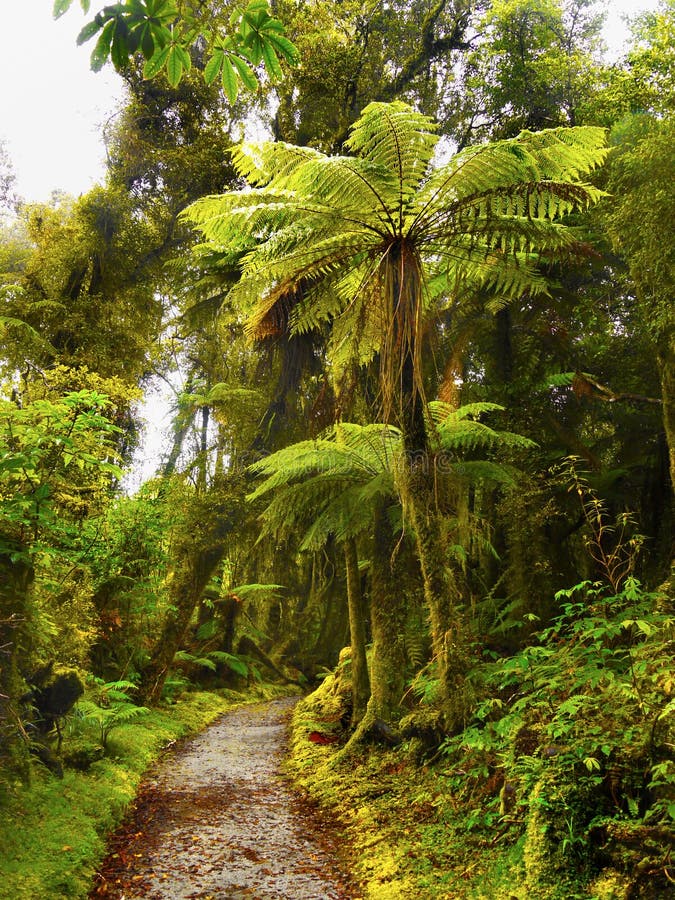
column 214, row 821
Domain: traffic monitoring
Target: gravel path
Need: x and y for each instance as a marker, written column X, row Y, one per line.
column 214, row 821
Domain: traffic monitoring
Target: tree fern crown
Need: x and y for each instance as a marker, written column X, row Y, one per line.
column 381, row 239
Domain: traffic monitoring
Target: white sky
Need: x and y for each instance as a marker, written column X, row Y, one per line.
column 52, row 106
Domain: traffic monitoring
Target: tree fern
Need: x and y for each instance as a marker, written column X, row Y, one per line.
column 480, row 221
column 379, row 241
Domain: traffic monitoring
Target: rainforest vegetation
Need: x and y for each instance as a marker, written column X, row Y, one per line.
column 416, row 344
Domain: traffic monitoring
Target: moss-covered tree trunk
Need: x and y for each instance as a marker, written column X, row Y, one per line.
column 387, row 618
column 186, row 592
column 666, row 364
column 388, row 613
column 16, row 578
column 357, row 634
column 418, row 483
column 199, row 549
column 330, row 607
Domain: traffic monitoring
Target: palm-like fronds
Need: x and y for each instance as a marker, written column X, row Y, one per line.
column 460, row 430
column 326, row 487
column 345, row 226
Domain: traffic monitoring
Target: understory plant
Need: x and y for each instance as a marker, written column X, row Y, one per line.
column 571, row 745
column 109, row 706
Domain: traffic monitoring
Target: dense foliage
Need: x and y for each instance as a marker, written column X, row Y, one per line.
column 418, row 357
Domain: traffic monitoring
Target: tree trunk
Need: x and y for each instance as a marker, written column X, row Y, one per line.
column 443, row 599
column 187, row 588
column 418, row 481
column 387, row 617
column 357, row 633
column 201, row 547
column 388, row 612
column 666, row 365
column 16, row 577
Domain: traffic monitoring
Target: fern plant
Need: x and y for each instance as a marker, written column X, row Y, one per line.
column 379, row 240
column 211, row 659
column 110, row 706
column 374, row 244
column 326, row 487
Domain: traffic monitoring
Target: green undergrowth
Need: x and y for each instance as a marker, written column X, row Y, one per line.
column 404, row 839
column 53, row 830
column 560, row 787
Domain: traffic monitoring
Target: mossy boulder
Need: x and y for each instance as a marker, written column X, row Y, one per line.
column 424, row 729
column 635, row 854
column 81, row 754
column 555, row 850
column 55, row 690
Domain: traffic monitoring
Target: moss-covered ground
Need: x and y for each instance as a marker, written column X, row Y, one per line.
column 53, row 830
column 413, row 832
column 404, row 840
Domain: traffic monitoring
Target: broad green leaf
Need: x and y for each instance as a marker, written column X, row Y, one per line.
column 85, row 4
column 147, row 42
column 60, row 7
column 271, row 61
column 156, row 63
column 160, row 35
column 245, row 72
column 164, row 9
column 253, row 47
column 89, row 31
column 101, row 51
column 229, row 79
column 184, row 57
column 213, row 66
column 119, row 48
column 174, row 67
column 285, row 48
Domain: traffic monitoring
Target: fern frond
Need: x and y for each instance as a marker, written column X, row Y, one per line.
column 264, row 163
column 445, row 412
column 398, row 139
column 484, row 470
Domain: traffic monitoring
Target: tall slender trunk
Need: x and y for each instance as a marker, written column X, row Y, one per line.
column 199, row 550
column 387, row 617
column 441, row 590
column 16, row 578
column 357, row 633
column 388, row 613
column 186, row 592
column 202, row 471
column 666, row 365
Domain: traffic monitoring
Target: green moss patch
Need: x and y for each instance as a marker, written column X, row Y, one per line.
column 53, row 831
column 405, row 839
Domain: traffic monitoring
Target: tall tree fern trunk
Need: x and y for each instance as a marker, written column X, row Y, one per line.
column 443, row 599
column 357, row 634
column 388, row 613
column 387, row 616
column 441, row 591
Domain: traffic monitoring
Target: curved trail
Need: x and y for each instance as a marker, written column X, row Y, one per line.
column 213, row 821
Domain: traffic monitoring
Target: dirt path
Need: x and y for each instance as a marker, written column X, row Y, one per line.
column 214, row 821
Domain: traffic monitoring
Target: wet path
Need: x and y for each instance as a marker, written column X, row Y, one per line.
column 214, row 822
